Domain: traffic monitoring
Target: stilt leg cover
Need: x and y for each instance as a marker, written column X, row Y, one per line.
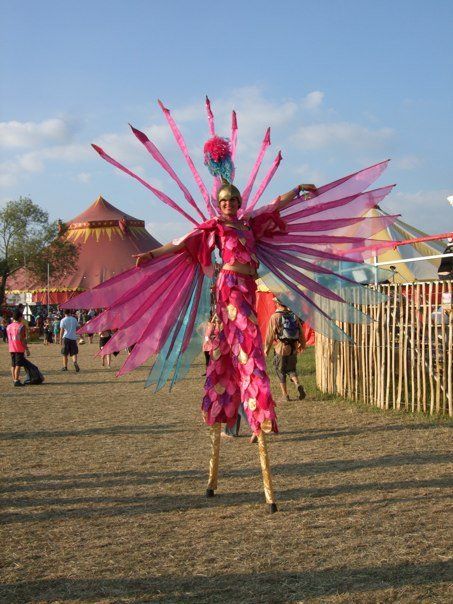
column 265, row 468
column 214, row 461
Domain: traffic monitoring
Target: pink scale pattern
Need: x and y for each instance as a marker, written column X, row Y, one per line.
column 237, row 369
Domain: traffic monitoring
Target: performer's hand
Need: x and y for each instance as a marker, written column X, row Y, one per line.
column 310, row 187
column 141, row 258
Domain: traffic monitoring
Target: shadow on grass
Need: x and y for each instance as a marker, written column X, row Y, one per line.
column 324, row 433
column 90, row 383
column 126, row 478
column 109, row 430
column 94, row 506
column 245, row 587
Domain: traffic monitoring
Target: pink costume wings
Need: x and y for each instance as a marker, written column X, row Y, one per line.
column 311, row 256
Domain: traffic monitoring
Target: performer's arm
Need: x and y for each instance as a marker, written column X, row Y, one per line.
column 285, row 199
column 164, row 250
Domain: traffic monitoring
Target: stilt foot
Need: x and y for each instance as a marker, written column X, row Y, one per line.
column 272, row 508
column 210, row 493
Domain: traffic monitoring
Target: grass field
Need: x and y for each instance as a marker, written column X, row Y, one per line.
column 103, row 497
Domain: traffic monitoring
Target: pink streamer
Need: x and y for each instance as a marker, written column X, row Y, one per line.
column 248, row 187
column 234, row 135
column 210, row 117
column 266, row 181
column 182, row 145
column 157, row 155
column 156, row 192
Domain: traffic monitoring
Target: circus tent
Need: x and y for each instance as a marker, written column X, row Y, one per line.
column 107, row 238
column 407, row 272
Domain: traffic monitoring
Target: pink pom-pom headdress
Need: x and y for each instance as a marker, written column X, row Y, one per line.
column 217, row 157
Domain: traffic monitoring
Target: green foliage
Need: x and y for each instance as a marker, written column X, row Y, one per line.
column 27, row 238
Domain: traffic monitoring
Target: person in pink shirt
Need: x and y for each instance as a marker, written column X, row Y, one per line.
column 17, row 345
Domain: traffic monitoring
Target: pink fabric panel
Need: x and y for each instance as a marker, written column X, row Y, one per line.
column 363, row 226
column 300, row 278
column 345, row 187
column 108, row 292
column 152, row 329
column 353, row 205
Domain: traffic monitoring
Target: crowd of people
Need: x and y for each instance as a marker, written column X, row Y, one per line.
column 49, row 326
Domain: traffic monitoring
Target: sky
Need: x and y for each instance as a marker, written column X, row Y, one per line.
column 343, row 84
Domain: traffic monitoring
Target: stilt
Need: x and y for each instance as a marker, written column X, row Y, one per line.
column 267, row 479
column 214, row 461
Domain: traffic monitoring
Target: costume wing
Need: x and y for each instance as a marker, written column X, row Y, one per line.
column 153, row 310
column 312, row 252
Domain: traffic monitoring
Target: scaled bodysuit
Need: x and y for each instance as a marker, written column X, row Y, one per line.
column 237, row 369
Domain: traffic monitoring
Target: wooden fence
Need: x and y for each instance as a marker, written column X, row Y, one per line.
column 403, row 359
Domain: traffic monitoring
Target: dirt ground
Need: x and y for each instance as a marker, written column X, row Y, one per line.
column 103, row 497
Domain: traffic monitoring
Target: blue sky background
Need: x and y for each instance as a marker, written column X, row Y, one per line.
column 343, row 84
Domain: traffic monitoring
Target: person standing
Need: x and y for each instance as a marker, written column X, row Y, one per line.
column 56, row 329
column 4, row 324
column 68, row 338
column 104, row 337
column 285, row 334
column 17, row 345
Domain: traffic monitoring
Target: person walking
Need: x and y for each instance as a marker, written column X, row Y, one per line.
column 285, row 334
column 68, row 338
column 17, row 345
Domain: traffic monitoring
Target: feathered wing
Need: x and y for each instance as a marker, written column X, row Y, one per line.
column 311, row 253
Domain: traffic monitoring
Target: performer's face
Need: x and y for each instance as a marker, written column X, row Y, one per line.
column 229, row 203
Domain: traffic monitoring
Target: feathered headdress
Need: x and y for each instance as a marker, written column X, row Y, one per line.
column 217, row 158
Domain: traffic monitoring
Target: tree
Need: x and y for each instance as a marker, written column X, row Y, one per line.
column 27, row 238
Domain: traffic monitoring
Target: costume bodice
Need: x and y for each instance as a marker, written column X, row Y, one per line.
column 236, row 244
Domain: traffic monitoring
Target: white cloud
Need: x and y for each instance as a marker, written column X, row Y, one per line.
column 167, row 231
column 427, row 210
column 83, row 177
column 407, row 162
column 35, row 161
column 308, row 174
column 313, row 100
column 33, row 134
column 346, row 134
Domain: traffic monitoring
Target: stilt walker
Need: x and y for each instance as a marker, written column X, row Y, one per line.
column 303, row 245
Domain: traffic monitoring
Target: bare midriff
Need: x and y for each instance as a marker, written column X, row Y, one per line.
column 243, row 269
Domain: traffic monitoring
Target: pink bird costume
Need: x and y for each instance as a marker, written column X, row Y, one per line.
column 310, row 254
